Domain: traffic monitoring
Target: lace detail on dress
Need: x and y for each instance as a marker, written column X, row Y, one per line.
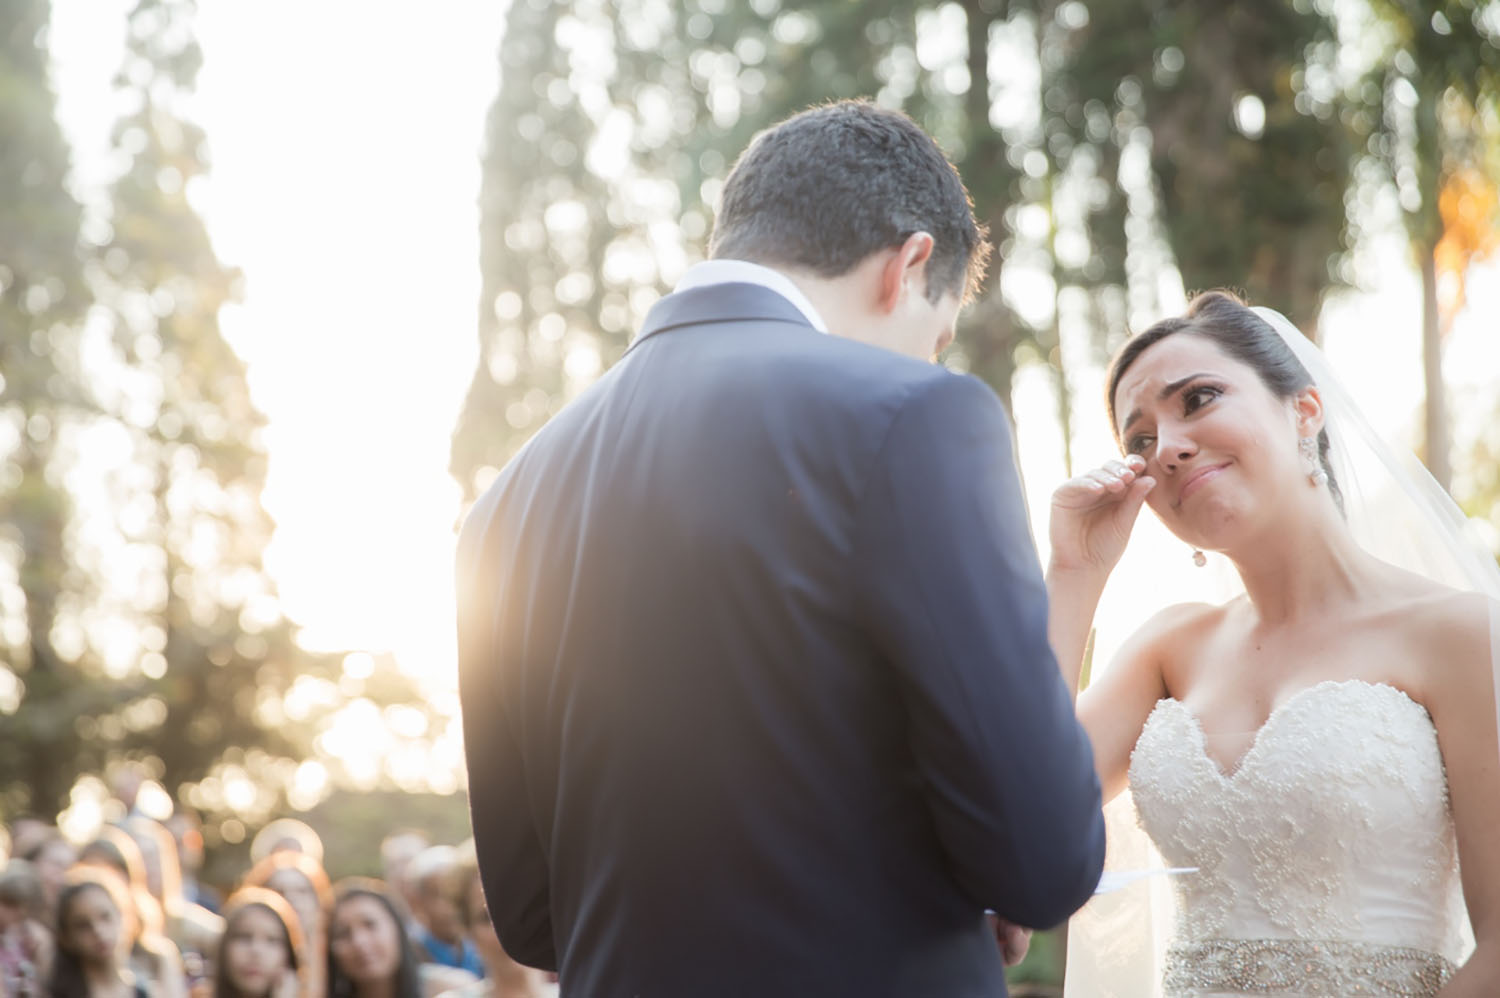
column 1335, row 826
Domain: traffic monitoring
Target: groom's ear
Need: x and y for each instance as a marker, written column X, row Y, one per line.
column 905, row 271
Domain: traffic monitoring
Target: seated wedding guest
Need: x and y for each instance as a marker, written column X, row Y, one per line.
column 286, row 835
column 261, row 950
column 438, row 892
column 125, row 783
column 51, row 855
column 301, row 880
column 192, row 929
column 26, row 833
column 504, row 977
column 25, row 943
column 187, row 832
column 369, row 954
column 93, row 939
column 397, row 850
column 152, row 956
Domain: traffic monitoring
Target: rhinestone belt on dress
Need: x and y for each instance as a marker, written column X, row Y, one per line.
column 1295, row 967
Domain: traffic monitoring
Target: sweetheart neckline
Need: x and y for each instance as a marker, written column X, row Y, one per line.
column 1244, row 760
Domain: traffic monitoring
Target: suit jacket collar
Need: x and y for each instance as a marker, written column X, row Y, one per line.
column 719, row 303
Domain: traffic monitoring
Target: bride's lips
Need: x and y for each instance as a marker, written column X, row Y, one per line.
column 1197, row 479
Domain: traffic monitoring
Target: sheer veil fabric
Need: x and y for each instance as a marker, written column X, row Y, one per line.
column 1117, row 943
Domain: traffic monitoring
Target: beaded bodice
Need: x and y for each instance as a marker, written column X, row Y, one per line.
column 1334, row 828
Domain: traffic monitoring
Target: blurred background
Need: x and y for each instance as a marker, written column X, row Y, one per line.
column 283, row 284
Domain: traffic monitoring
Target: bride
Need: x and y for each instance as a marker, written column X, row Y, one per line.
column 1322, row 747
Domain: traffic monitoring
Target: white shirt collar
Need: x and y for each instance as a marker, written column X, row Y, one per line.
column 744, row 272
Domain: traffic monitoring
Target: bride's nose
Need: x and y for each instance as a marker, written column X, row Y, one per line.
column 1173, row 449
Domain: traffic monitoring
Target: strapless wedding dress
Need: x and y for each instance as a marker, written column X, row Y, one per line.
column 1327, row 863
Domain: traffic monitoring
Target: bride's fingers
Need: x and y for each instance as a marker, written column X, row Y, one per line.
column 1110, row 480
column 1139, row 489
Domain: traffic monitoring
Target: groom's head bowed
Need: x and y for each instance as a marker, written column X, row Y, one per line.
column 863, row 211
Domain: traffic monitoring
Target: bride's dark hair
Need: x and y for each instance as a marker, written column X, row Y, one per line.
column 1223, row 318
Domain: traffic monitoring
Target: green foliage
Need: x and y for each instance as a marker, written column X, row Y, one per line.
column 1248, row 158
column 606, row 146
column 1429, row 111
column 1429, row 103
column 614, row 124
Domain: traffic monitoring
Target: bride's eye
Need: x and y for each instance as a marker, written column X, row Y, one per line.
column 1138, row 443
column 1196, row 398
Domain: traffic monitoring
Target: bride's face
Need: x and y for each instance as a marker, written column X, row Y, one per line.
column 1222, row 448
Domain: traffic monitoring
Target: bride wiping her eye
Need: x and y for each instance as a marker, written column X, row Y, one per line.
column 1320, row 747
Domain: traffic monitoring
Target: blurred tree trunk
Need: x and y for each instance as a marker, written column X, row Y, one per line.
column 989, row 328
column 1433, row 97
column 1437, row 444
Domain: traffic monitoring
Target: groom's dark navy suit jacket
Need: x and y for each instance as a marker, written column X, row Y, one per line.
column 757, row 696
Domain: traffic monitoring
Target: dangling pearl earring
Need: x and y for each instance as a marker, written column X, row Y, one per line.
column 1309, row 447
column 1199, row 558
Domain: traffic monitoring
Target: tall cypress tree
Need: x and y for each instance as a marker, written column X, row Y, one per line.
column 216, row 653
column 42, row 299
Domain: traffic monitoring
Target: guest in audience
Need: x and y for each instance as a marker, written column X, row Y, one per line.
column 152, row 956
column 300, row 879
column 286, row 835
column 26, row 833
column 187, row 832
column 260, row 952
column 125, row 783
column 25, row 942
column 438, row 893
column 369, row 955
column 397, row 850
column 93, row 939
column 504, row 977
column 193, row 930
column 51, row 855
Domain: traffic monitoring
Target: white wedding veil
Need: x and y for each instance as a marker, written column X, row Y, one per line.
column 1395, row 510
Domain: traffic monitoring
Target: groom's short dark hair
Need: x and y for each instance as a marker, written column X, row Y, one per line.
column 824, row 189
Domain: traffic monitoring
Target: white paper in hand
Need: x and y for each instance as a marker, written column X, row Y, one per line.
column 1113, row 880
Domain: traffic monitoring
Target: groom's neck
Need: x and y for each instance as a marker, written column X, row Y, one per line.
column 841, row 301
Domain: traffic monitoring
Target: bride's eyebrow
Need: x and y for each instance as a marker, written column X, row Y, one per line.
column 1167, row 392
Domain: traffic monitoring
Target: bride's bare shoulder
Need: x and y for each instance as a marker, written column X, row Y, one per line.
column 1171, row 637
column 1182, row 622
column 1450, row 638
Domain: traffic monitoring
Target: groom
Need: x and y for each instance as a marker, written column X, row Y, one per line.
column 757, row 697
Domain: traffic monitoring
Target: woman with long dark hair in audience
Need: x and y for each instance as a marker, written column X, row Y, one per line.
column 93, row 939
column 301, row 881
column 260, row 952
column 369, row 953
column 152, row 956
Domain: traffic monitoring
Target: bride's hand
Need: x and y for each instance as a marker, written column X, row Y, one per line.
column 1092, row 515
